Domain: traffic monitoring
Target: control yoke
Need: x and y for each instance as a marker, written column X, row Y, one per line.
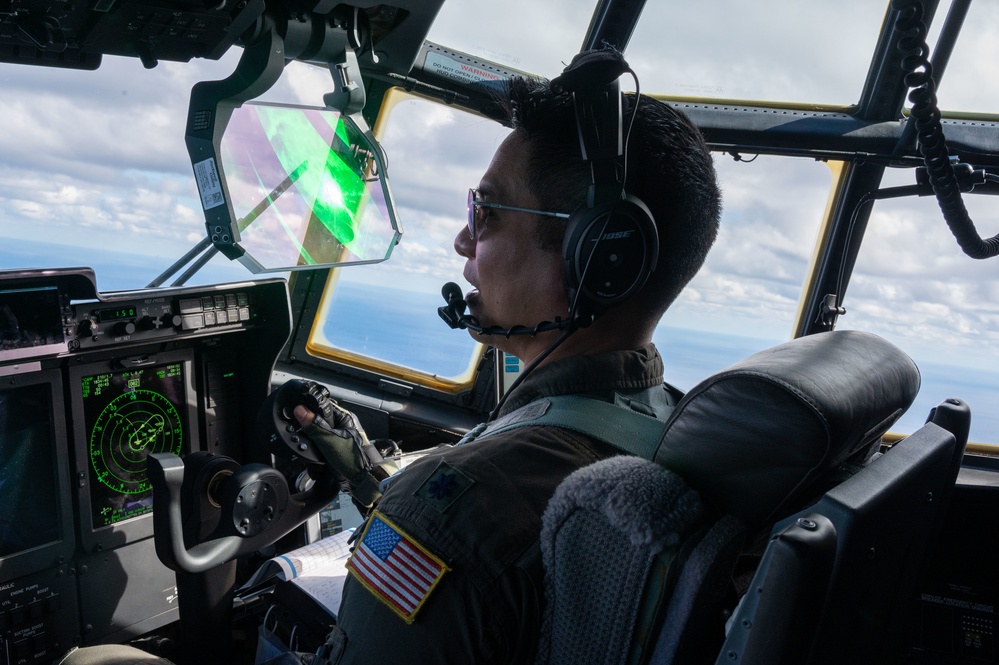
column 210, row 510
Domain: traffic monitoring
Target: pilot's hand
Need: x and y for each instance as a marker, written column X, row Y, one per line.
column 342, row 442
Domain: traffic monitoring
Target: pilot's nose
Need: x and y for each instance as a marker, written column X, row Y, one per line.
column 463, row 243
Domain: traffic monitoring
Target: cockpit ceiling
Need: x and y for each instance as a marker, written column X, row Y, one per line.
column 789, row 52
column 77, row 34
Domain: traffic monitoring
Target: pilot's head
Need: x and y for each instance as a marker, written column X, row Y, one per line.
column 515, row 260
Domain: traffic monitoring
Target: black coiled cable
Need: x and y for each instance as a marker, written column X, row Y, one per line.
column 932, row 145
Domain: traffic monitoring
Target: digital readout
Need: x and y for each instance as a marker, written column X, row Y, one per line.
column 116, row 314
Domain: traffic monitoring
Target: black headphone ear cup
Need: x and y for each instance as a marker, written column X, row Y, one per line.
column 608, row 253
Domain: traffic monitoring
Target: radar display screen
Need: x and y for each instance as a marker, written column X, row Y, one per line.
column 130, row 414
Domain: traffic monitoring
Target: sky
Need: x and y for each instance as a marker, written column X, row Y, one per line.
column 96, row 161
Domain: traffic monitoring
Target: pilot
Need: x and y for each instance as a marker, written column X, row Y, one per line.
column 448, row 567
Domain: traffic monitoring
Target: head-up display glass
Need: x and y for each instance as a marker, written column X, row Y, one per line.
column 308, row 188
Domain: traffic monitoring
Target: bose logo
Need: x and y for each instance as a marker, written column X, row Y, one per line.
column 617, row 235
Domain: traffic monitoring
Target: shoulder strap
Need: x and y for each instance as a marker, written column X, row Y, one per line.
column 629, row 431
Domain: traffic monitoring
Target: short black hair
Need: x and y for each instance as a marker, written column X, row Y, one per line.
column 669, row 168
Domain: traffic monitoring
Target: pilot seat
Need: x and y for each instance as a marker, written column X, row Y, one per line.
column 789, row 435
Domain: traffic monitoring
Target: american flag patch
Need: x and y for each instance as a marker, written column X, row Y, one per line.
column 398, row 570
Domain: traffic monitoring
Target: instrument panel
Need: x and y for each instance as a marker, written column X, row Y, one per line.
column 90, row 385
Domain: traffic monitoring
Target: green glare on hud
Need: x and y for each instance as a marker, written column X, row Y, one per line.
column 305, row 189
column 334, row 190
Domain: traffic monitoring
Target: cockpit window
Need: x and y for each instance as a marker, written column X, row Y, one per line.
column 387, row 318
column 745, row 297
column 485, row 31
column 785, row 51
column 913, row 285
column 968, row 83
column 743, row 300
column 95, row 172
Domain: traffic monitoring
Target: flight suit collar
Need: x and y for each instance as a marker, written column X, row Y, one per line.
column 599, row 375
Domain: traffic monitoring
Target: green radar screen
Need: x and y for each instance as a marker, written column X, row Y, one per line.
column 131, row 427
column 130, row 415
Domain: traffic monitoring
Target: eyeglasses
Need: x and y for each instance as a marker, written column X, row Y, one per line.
column 475, row 216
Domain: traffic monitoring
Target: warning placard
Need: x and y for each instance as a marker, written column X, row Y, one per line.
column 457, row 70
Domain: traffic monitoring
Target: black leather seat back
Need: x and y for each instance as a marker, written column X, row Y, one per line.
column 756, row 438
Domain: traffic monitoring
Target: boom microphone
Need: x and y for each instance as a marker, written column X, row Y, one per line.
column 453, row 314
column 454, row 310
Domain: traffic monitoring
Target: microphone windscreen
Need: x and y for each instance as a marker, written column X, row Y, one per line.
column 450, row 291
column 455, row 307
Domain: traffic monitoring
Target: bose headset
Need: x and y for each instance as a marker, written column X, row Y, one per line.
column 611, row 244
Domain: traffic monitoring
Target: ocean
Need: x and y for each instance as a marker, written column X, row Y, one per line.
column 400, row 334
column 407, row 331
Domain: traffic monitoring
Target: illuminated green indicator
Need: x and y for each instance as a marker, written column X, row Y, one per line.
column 117, row 314
column 229, row 375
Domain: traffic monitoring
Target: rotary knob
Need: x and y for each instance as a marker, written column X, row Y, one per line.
column 86, row 327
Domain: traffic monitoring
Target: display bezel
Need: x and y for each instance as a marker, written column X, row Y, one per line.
column 46, row 555
column 96, row 537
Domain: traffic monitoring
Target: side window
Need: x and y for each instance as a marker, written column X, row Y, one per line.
column 745, row 297
column 384, row 317
column 913, row 285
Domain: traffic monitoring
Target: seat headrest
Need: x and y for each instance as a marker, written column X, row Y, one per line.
column 753, row 437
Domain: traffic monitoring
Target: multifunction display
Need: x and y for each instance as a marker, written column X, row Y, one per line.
column 29, row 509
column 129, row 415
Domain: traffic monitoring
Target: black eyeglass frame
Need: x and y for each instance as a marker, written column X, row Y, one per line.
column 474, row 203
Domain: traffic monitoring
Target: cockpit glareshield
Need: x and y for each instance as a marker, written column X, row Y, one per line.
column 308, row 189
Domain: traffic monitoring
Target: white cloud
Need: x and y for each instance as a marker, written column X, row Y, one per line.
column 783, row 50
column 30, row 209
